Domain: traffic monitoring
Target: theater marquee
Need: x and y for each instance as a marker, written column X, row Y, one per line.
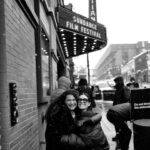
column 82, row 27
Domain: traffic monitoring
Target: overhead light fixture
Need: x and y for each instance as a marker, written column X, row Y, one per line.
column 62, row 30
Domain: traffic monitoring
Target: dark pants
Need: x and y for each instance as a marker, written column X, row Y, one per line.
column 124, row 133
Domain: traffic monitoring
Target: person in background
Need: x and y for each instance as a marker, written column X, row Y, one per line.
column 119, row 113
column 89, row 125
column 122, row 92
column 133, row 84
column 96, row 92
column 64, row 84
column 61, row 125
column 83, row 87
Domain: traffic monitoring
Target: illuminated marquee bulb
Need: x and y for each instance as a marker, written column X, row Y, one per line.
column 61, row 30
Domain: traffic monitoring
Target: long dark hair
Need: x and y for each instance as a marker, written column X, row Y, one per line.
column 59, row 103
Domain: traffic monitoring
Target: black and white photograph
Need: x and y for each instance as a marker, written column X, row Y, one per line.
column 74, row 75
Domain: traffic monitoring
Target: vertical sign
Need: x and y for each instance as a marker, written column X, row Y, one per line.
column 92, row 16
column 92, row 10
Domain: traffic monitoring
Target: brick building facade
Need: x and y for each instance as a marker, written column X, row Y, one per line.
column 33, row 55
column 30, row 58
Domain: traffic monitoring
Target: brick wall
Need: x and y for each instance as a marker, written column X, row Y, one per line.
column 3, row 90
column 21, row 69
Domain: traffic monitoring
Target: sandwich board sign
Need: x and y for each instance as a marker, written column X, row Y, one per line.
column 140, row 103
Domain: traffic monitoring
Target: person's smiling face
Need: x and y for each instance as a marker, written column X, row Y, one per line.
column 83, row 102
column 71, row 102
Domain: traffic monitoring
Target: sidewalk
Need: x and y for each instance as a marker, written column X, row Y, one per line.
column 108, row 128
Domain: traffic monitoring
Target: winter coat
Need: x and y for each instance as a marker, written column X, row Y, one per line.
column 91, row 131
column 61, row 130
column 123, row 110
column 122, row 95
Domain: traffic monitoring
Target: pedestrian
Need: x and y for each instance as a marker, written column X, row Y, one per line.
column 122, row 93
column 83, row 87
column 133, row 84
column 61, row 125
column 119, row 113
column 64, row 83
column 89, row 125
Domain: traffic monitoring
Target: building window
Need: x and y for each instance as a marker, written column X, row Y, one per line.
column 45, row 64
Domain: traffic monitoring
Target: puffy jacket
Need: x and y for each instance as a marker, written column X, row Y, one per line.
column 122, row 95
column 91, row 131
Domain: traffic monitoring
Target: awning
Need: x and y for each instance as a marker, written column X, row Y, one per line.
column 79, row 35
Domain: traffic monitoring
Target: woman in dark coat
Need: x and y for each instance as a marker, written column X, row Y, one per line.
column 61, row 128
column 89, row 125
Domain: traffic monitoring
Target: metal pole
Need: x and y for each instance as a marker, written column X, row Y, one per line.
column 92, row 16
column 88, row 68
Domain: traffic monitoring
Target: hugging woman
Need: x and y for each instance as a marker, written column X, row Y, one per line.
column 61, row 128
column 63, row 131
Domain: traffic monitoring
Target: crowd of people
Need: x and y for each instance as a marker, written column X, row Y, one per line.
column 73, row 125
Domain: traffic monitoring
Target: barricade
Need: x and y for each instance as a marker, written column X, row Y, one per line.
column 140, row 116
column 108, row 95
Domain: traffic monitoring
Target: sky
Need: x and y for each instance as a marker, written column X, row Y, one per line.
column 126, row 21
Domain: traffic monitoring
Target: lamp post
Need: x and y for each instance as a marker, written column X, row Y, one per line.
column 88, row 68
column 92, row 16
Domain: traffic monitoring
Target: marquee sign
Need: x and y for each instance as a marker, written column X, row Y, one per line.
column 92, row 10
column 77, row 23
column 79, row 35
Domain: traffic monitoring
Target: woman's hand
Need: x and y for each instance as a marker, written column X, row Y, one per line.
column 80, row 123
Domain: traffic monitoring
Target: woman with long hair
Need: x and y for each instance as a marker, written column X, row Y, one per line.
column 61, row 133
